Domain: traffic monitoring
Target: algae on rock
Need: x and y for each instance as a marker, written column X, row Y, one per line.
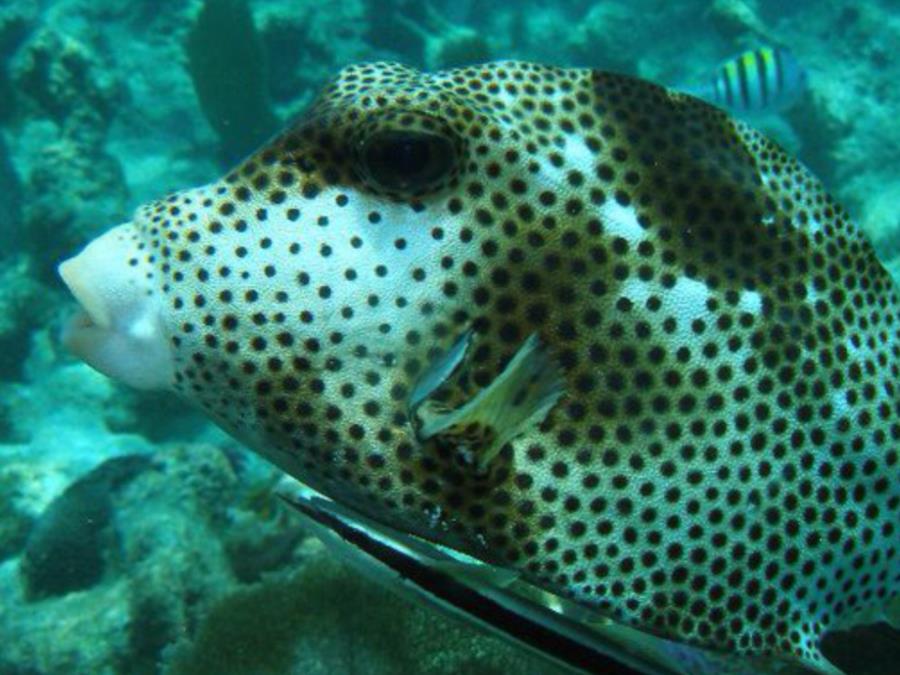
column 73, row 184
column 15, row 523
column 16, row 20
column 10, row 194
column 324, row 618
column 419, row 30
column 63, row 78
column 24, row 304
column 164, row 513
column 736, row 19
column 66, row 550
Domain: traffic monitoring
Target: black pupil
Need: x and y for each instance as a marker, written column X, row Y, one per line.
column 410, row 155
column 404, row 160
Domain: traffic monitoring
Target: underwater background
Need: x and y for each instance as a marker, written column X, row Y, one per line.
column 134, row 536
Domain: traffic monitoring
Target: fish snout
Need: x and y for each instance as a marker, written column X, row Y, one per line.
column 119, row 330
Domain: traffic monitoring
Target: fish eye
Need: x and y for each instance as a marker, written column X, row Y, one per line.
column 408, row 160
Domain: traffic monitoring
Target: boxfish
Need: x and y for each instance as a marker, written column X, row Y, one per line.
column 566, row 323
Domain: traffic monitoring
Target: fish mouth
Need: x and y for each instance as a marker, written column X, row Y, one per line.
column 118, row 328
column 91, row 312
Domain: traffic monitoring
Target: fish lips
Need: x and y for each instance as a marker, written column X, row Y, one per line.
column 118, row 329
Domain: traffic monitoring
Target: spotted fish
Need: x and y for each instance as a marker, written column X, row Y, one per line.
column 565, row 322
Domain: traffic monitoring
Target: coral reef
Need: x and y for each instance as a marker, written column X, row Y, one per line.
column 383, row 32
column 306, row 45
column 737, row 20
column 595, row 40
column 183, row 571
column 15, row 524
column 882, row 217
column 61, row 78
column 66, row 550
column 322, row 618
column 424, row 35
column 263, row 534
column 58, row 222
column 10, row 198
column 165, row 567
column 445, row 44
column 24, row 303
column 16, row 20
column 156, row 416
column 7, row 96
column 57, row 77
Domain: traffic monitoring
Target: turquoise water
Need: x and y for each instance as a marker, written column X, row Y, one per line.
column 136, row 536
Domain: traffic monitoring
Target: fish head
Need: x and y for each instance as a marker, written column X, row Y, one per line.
column 711, row 454
column 298, row 299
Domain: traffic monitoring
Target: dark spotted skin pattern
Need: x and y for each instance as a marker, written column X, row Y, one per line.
column 723, row 466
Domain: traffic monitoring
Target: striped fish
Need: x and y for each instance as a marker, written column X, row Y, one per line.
column 490, row 598
column 761, row 80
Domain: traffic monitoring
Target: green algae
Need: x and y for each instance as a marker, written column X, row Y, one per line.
column 324, row 618
column 15, row 523
column 67, row 549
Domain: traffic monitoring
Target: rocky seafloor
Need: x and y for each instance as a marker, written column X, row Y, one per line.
column 135, row 538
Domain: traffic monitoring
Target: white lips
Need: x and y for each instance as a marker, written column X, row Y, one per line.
column 92, row 310
column 119, row 330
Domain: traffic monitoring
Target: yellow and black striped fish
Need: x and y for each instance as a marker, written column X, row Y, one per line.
column 759, row 80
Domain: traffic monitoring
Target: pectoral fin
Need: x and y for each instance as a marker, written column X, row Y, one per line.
column 440, row 370
column 522, row 394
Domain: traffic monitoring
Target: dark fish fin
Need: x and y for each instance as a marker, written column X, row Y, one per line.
column 465, row 588
column 440, row 370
